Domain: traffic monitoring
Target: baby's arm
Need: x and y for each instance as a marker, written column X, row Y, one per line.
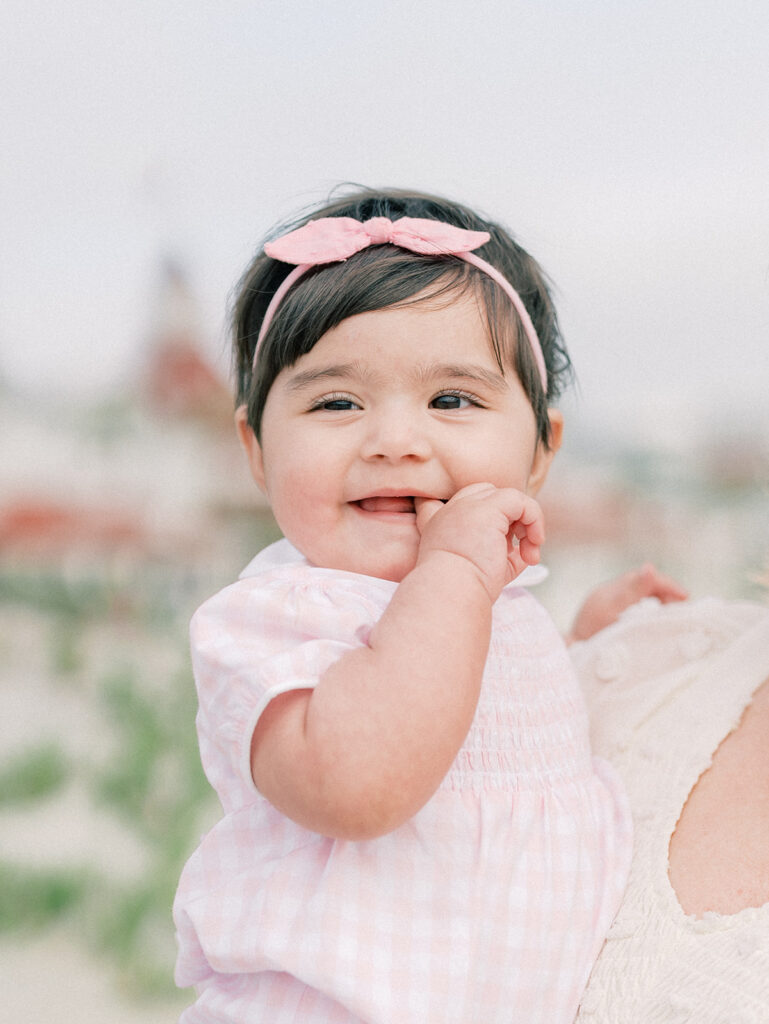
column 364, row 751
column 605, row 604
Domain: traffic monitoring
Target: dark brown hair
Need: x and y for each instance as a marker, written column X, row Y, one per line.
column 383, row 276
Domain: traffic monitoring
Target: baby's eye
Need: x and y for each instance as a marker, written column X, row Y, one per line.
column 450, row 400
column 335, row 403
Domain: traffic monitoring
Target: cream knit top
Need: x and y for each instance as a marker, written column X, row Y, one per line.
column 665, row 686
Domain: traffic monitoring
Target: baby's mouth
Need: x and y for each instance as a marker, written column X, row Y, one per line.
column 399, row 504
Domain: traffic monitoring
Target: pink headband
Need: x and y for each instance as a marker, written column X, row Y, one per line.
column 333, row 239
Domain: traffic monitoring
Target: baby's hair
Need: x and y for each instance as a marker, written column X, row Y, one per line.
column 384, row 276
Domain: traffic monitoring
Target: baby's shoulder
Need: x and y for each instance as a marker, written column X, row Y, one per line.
column 300, row 596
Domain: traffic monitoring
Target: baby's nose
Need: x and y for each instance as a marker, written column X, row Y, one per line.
column 396, row 437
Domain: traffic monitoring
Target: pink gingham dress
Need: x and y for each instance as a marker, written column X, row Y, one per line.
column 489, row 905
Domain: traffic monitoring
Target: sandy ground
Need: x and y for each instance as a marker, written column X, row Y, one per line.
column 49, row 979
column 50, row 976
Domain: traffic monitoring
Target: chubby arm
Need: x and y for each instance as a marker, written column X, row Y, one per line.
column 362, row 752
column 605, row 604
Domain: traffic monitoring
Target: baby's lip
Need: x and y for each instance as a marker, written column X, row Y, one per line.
column 393, row 501
column 387, row 503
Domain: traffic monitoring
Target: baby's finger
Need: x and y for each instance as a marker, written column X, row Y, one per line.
column 529, row 522
column 674, row 593
column 529, row 551
column 651, row 583
column 477, row 489
column 535, row 531
column 522, row 556
column 425, row 509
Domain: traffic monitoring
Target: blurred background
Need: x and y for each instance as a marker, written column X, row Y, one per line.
column 146, row 150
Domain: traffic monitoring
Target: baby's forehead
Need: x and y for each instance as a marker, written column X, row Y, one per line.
column 451, row 337
column 425, row 333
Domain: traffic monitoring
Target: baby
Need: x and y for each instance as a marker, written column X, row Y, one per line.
column 414, row 829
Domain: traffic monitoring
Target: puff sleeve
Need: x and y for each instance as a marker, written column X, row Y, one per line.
column 264, row 636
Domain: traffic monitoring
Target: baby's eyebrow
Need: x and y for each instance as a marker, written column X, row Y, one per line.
column 306, row 378
column 432, row 373
column 468, row 372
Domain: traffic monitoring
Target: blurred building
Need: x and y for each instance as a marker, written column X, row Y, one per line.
column 152, row 473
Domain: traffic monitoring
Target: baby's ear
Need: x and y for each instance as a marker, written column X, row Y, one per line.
column 250, row 446
column 543, row 457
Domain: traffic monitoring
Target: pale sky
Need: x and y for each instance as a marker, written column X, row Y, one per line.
column 625, row 144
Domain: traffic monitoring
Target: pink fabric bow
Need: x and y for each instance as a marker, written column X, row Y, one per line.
column 333, row 239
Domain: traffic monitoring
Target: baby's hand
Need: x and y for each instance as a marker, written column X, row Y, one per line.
column 499, row 530
column 607, row 602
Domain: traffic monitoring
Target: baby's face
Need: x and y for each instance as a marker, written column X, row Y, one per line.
column 389, row 405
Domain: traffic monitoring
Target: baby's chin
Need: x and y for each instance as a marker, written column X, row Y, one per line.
column 382, row 568
column 394, row 572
